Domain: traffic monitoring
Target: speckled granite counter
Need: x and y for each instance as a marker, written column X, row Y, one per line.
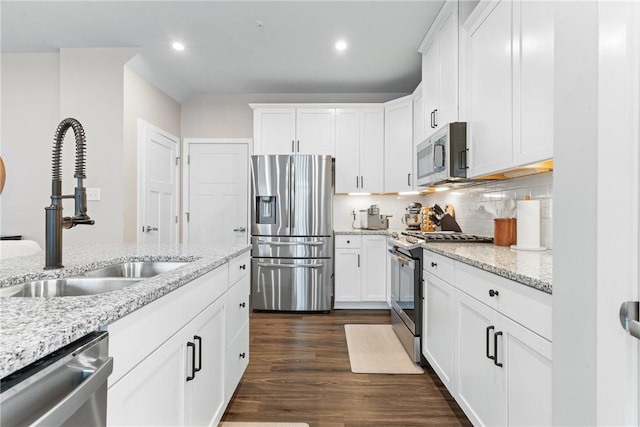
column 355, row 231
column 31, row 328
column 531, row 268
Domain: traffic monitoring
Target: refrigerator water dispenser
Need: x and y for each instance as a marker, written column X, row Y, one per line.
column 266, row 213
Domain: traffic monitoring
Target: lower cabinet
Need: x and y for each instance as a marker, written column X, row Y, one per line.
column 180, row 383
column 178, row 360
column 479, row 338
column 361, row 271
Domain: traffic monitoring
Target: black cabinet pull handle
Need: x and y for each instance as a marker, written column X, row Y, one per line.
column 243, row 267
column 435, row 118
column 493, row 293
column 489, row 329
column 242, row 355
column 293, row 148
column 358, row 260
column 193, row 361
column 434, row 264
column 242, row 305
column 298, row 146
column 409, row 179
column 432, row 120
column 495, row 348
column 199, row 339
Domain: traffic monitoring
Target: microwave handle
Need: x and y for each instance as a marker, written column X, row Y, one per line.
column 463, row 159
column 441, row 167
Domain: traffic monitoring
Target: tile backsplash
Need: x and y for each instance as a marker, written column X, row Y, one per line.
column 475, row 206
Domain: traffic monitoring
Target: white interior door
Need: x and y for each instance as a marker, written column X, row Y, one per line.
column 158, row 185
column 216, row 202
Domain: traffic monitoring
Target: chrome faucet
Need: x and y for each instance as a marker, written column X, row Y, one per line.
column 54, row 220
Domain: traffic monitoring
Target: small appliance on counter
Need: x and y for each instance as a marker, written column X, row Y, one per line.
column 370, row 219
column 413, row 217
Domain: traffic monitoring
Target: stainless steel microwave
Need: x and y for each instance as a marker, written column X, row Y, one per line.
column 443, row 156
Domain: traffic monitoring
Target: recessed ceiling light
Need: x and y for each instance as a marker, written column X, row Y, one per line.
column 178, row 46
column 341, row 45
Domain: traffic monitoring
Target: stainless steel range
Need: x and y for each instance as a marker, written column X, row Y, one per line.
column 443, row 236
column 405, row 259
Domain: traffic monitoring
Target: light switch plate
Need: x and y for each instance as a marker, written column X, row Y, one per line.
column 93, row 194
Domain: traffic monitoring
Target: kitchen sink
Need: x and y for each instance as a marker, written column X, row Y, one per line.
column 135, row 269
column 67, row 287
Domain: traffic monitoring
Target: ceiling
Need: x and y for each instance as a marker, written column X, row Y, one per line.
column 228, row 51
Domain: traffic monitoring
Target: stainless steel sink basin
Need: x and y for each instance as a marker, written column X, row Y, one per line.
column 67, row 287
column 141, row 269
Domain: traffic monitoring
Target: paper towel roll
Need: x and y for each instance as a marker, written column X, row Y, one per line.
column 528, row 226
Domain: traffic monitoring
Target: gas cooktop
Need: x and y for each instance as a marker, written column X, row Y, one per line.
column 444, row 236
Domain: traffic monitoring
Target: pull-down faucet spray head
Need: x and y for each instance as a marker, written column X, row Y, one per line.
column 54, row 220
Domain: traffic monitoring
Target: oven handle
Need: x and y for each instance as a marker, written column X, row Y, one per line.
column 311, row 243
column 402, row 259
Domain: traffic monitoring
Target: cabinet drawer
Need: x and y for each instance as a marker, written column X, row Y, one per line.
column 527, row 306
column 348, row 241
column 237, row 307
column 438, row 265
column 236, row 361
column 239, row 267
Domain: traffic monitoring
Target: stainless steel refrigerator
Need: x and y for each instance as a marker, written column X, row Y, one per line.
column 291, row 232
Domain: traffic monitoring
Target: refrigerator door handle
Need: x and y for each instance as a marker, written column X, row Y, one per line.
column 293, row 196
column 263, row 264
column 313, row 243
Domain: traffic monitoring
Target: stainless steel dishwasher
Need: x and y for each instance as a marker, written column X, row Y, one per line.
column 66, row 388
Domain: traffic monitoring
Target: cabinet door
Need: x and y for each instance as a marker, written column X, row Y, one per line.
column 533, row 73
column 490, row 103
column 374, row 263
column 347, row 280
column 236, row 361
column 274, row 130
column 204, row 397
column 527, row 359
column 152, row 394
column 447, row 109
column 431, row 84
column 438, row 341
column 480, row 383
column 347, row 168
column 398, row 145
column 315, row 131
column 372, row 150
column 419, row 131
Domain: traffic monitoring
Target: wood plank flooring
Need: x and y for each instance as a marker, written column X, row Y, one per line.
column 299, row 372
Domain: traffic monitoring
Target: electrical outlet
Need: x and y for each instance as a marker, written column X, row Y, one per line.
column 93, row 194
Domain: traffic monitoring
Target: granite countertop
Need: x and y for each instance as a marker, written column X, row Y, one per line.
column 531, row 268
column 31, row 328
column 354, row 231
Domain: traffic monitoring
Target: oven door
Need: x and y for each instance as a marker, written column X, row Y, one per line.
column 403, row 288
column 431, row 160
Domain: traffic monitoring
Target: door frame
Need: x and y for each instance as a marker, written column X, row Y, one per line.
column 186, row 170
column 143, row 126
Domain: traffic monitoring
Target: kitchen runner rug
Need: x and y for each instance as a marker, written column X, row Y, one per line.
column 242, row 424
column 375, row 349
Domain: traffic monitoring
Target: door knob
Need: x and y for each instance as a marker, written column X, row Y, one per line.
column 240, row 229
column 629, row 318
column 149, row 228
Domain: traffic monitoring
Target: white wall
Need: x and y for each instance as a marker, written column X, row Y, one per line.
column 141, row 101
column 389, row 205
column 229, row 115
column 91, row 90
column 30, row 114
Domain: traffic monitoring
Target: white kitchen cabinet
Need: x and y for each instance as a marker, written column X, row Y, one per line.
column 503, row 372
column 359, row 150
column 237, row 323
column 398, row 145
column 172, row 357
column 438, row 341
column 510, row 85
column 165, row 389
column 360, row 271
column 419, row 131
column 295, row 129
column 440, row 70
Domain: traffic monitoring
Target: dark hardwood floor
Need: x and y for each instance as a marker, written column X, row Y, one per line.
column 299, row 372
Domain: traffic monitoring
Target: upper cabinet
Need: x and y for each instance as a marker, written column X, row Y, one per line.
column 440, row 70
column 359, row 150
column 293, row 130
column 398, row 145
column 509, row 66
